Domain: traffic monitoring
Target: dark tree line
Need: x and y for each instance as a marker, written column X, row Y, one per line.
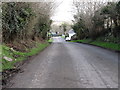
column 97, row 19
column 26, row 20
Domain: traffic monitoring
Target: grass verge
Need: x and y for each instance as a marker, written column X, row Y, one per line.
column 10, row 56
column 62, row 36
column 50, row 40
column 108, row 45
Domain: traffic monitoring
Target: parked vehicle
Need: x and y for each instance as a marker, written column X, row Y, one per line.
column 67, row 38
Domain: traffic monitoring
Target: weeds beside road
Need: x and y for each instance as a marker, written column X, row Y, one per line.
column 12, row 59
column 10, row 56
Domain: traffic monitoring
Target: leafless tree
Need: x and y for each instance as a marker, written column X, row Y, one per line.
column 86, row 10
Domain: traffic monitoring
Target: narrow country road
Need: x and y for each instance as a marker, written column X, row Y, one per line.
column 70, row 65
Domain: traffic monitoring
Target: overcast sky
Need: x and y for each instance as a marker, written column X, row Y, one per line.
column 64, row 11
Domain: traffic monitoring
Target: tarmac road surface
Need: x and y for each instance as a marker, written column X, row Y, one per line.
column 70, row 65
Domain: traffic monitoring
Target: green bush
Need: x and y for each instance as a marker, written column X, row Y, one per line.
column 15, row 16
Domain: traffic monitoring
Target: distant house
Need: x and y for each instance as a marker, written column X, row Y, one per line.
column 71, row 33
